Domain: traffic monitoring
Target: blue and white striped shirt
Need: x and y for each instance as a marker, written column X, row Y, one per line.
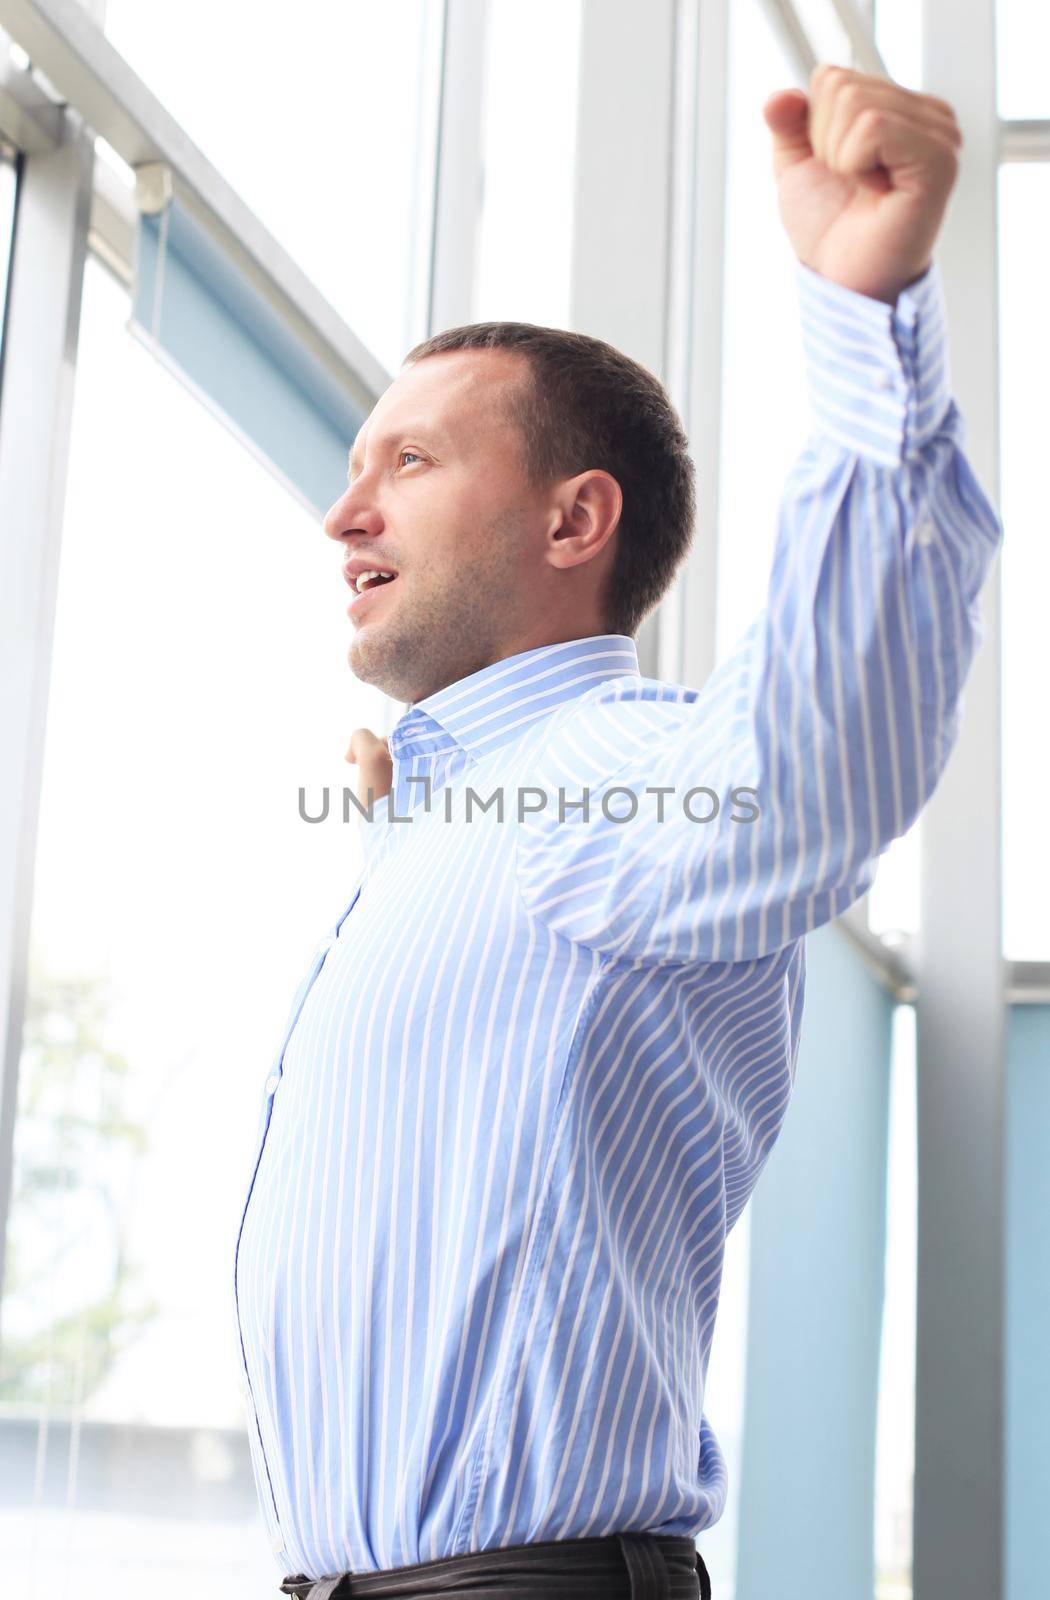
column 536, row 1066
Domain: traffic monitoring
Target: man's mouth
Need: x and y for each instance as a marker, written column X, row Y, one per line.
column 365, row 574
column 370, row 586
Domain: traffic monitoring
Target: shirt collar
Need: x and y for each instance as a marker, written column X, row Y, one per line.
column 500, row 702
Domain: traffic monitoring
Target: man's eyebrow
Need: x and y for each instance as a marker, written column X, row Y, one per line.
column 424, row 434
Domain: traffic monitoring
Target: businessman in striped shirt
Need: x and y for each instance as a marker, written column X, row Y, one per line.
column 537, row 1063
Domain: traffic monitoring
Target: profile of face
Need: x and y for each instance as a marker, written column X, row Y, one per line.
column 485, row 564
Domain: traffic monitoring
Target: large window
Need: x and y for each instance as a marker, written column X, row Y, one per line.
column 199, row 686
column 764, row 404
column 1022, row 52
column 323, row 118
column 199, row 680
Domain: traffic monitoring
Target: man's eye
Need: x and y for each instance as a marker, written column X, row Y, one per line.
column 411, row 455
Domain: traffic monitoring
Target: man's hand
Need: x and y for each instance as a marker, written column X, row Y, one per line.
column 375, row 769
column 864, row 169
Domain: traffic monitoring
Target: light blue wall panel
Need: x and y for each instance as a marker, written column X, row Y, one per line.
column 1027, row 1334
column 816, row 1291
column 208, row 323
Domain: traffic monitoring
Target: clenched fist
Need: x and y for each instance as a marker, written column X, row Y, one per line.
column 375, row 769
column 864, row 169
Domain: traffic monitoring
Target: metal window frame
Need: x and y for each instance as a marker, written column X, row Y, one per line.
column 961, row 1038
column 686, row 618
column 459, row 165
column 620, row 270
column 40, row 344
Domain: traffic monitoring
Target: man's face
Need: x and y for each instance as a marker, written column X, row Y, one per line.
column 437, row 494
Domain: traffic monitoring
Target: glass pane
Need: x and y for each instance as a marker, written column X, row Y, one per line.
column 895, row 1449
column 1023, row 50
column 1024, row 311
column 764, row 399
column 199, row 678
column 898, row 34
column 323, row 120
column 525, row 236
column 894, row 900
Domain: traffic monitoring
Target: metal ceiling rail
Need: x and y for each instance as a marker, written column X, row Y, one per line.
column 1027, row 983
column 895, row 966
column 78, row 60
column 28, row 119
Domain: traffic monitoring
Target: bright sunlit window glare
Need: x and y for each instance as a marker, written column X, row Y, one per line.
column 1022, row 57
column 324, row 122
column 898, row 34
column 529, row 140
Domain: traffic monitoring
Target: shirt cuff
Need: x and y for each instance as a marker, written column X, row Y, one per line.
column 878, row 375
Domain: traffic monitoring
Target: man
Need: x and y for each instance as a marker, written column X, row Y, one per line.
column 536, row 1067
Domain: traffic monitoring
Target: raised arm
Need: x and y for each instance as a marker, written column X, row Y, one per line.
column 841, row 703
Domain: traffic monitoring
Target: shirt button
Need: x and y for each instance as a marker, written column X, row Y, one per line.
column 278, row 1542
column 924, row 531
column 884, row 380
column 271, row 1083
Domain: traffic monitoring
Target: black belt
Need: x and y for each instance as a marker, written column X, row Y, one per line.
column 624, row 1566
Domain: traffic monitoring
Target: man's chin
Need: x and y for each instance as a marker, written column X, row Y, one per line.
column 376, row 654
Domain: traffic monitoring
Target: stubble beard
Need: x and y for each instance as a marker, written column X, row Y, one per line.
column 445, row 630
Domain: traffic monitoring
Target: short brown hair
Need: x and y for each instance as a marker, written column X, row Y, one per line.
column 588, row 405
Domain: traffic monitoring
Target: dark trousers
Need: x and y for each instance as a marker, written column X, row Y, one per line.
column 624, row 1566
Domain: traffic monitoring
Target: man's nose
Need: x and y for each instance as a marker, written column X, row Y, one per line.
column 351, row 513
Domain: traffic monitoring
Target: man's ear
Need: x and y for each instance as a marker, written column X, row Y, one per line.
column 589, row 508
